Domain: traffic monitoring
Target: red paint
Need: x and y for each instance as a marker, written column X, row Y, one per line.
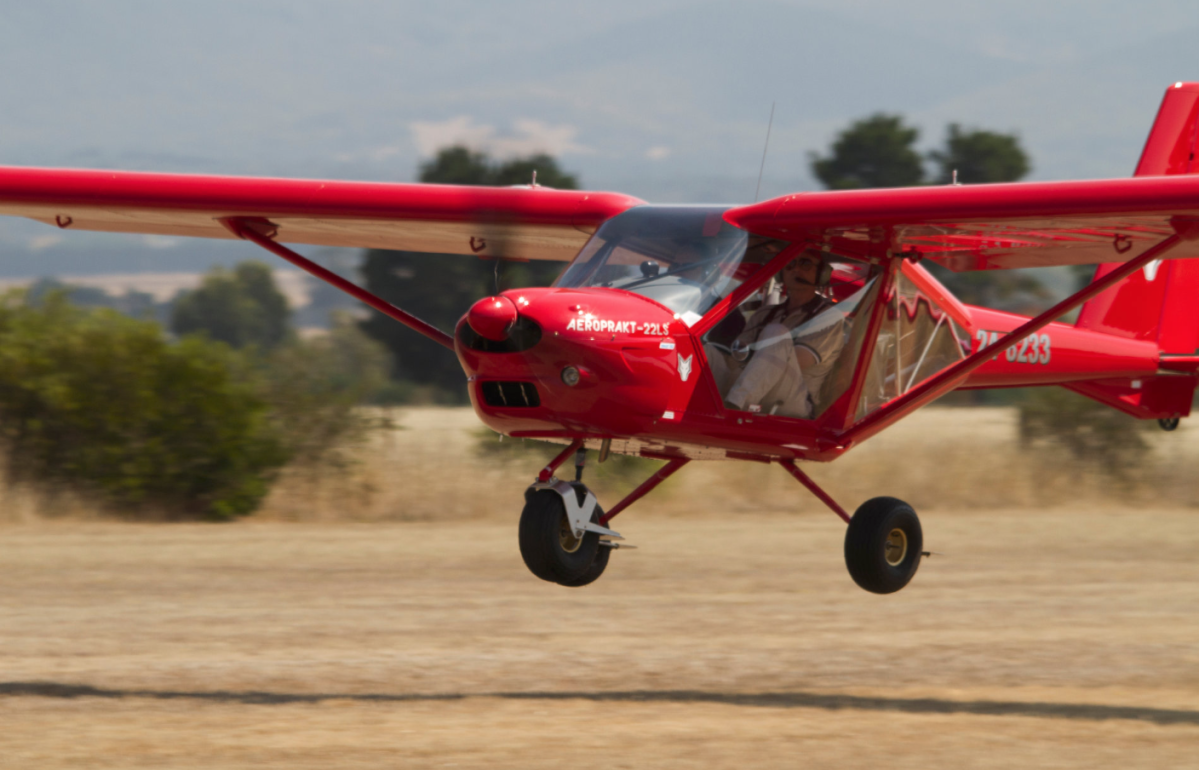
column 663, row 473
column 1149, row 398
column 1170, row 148
column 492, row 317
column 249, row 196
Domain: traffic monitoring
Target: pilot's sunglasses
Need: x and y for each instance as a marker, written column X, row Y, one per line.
column 796, row 264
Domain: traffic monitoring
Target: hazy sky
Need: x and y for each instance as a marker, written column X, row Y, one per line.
column 666, row 99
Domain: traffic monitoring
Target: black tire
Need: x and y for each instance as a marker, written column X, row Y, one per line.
column 598, row 565
column 878, row 528
column 549, row 550
column 1169, row 423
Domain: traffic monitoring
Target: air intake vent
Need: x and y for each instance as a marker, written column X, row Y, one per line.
column 510, row 394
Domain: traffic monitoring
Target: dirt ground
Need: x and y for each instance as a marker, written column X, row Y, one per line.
column 1064, row 638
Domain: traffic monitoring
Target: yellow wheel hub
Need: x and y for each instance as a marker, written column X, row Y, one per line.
column 566, row 535
column 896, row 547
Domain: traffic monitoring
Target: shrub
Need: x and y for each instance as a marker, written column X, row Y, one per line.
column 315, row 387
column 241, row 307
column 101, row 403
column 1092, row 433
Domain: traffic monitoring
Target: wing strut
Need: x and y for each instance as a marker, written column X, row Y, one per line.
column 949, row 378
column 262, row 232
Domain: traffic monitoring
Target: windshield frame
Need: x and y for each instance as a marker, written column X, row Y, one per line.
column 665, row 243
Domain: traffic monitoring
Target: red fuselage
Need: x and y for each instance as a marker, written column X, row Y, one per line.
column 644, row 376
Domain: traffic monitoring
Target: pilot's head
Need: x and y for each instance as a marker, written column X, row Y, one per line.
column 804, row 276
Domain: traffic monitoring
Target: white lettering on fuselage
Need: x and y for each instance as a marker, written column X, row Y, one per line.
column 606, row 326
column 1033, row 349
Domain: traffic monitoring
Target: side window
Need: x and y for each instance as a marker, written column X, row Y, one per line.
column 782, row 351
column 916, row 339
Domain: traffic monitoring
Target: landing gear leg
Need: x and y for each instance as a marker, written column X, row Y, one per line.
column 883, row 542
column 564, row 535
column 560, row 533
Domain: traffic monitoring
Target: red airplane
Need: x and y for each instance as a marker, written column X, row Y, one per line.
column 788, row 330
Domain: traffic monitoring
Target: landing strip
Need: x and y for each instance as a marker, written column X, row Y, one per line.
column 1062, row 638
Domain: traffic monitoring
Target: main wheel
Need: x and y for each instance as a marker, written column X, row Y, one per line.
column 547, row 541
column 1169, row 423
column 883, row 545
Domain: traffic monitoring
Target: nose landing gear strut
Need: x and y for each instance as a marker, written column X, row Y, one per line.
column 564, row 537
column 561, row 539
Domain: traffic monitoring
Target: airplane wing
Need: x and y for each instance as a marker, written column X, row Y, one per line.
column 528, row 222
column 992, row 227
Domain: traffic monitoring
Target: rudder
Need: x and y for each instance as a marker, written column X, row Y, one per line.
column 1158, row 303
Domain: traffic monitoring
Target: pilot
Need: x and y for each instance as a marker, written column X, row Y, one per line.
column 780, row 360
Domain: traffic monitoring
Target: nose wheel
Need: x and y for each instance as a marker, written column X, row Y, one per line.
column 552, row 547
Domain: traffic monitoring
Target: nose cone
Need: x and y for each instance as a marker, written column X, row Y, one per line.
column 492, row 317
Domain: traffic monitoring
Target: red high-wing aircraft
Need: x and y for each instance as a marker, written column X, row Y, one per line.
column 787, row 330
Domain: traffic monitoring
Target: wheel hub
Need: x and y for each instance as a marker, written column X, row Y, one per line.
column 896, row 547
column 566, row 535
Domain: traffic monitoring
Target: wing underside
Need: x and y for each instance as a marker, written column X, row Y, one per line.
column 992, row 227
column 524, row 222
column 973, row 227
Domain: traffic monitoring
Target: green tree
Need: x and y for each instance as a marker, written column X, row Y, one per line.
column 520, row 171
column 878, row 151
column 439, row 288
column 980, row 157
column 101, row 403
column 240, row 307
column 457, row 165
column 315, row 387
column 138, row 304
column 461, row 165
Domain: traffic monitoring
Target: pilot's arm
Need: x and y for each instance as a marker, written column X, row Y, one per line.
column 805, row 357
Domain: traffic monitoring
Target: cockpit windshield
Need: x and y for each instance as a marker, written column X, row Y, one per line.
column 685, row 257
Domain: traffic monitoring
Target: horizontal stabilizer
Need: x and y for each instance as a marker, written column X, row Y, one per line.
column 1151, row 398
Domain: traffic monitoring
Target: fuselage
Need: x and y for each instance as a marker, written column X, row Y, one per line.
column 646, row 384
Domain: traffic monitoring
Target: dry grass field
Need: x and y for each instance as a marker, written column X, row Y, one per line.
column 405, row 632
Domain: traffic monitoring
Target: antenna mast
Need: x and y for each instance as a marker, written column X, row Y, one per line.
column 769, row 124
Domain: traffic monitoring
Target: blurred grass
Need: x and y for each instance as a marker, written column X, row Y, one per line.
column 438, row 463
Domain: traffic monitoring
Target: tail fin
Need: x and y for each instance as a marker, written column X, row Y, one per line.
column 1171, row 146
column 1159, row 303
